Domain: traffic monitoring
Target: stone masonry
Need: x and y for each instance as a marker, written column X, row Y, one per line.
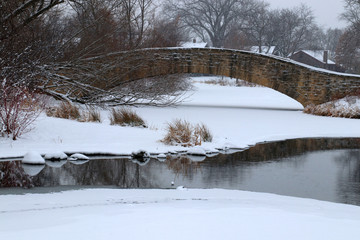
column 304, row 84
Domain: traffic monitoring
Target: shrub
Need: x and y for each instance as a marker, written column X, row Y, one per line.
column 19, row 108
column 331, row 109
column 64, row 110
column 181, row 132
column 126, row 117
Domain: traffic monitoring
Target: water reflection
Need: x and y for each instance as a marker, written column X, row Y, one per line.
column 349, row 176
column 12, row 174
column 294, row 168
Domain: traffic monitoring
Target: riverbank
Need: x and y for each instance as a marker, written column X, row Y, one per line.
column 236, row 116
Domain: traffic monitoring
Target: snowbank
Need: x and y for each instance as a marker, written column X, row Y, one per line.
column 33, row 157
column 172, row 214
column 78, row 156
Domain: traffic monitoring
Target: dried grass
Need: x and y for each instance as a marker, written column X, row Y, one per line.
column 204, row 133
column 91, row 115
column 181, row 132
column 126, row 117
column 64, row 110
column 69, row 111
column 228, row 82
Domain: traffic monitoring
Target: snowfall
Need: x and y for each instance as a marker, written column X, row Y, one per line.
column 238, row 117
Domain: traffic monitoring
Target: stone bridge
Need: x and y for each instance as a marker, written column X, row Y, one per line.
column 300, row 82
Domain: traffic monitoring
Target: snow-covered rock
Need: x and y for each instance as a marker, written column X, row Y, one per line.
column 78, row 156
column 197, row 151
column 55, row 156
column 140, row 154
column 33, row 157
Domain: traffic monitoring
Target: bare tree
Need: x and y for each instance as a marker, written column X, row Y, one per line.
column 289, row 28
column 348, row 50
column 238, row 40
column 352, row 12
column 93, row 28
column 257, row 25
column 17, row 14
column 332, row 38
column 34, row 48
column 25, row 43
column 165, row 33
column 134, row 17
column 211, row 20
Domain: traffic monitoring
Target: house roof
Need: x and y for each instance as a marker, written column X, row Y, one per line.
column 264, row 49
column 317, row 54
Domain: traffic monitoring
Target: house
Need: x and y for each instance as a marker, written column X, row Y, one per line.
column 194, row 44
column 317, row 58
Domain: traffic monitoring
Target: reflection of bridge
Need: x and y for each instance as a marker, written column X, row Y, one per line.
column 305, row 84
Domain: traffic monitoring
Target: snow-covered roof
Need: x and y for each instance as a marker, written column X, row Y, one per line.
column 193, row 45
column 317, row 54
column 264, row 49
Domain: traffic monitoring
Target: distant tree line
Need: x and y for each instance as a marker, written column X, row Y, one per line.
column 243, row 23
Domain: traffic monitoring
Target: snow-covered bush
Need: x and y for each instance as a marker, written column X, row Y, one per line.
column 19, row 108
column 348, row 107
column 181, row 132
column 126, row 117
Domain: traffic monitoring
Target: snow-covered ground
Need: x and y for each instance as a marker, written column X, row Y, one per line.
column 182, row 213
column 224, row 109
column 173, row 214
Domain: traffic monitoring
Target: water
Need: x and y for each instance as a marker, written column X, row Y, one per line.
column 300, row 168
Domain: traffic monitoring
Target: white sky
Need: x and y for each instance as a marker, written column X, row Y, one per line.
column 326, row 11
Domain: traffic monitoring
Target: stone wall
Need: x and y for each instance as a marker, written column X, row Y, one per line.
column 306, row 85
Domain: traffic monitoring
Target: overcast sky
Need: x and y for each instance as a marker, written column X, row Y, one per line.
column 326, row 11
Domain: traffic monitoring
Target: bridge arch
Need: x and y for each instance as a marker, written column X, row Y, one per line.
column 303, row 83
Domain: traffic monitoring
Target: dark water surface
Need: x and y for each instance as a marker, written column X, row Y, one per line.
column 309, row 168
